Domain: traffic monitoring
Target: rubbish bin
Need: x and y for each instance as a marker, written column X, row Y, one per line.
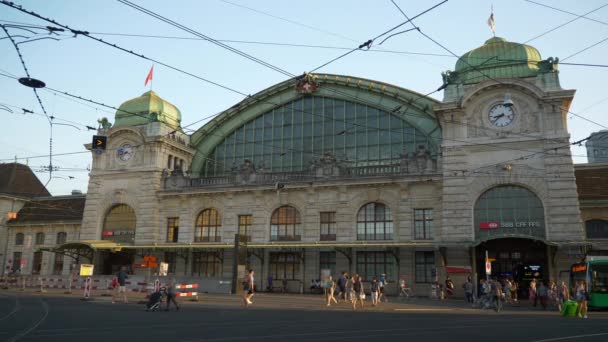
column 570, row 308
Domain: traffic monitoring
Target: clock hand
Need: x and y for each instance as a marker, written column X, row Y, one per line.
column 498, row 116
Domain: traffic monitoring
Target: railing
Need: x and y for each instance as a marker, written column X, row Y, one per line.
column 286, row 238
column 240, row 178
column 208, row 239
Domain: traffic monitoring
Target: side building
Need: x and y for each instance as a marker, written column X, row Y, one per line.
column 18, row 184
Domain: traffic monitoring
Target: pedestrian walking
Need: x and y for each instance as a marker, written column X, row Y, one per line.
column 342, row 286
column 449, row 286
column 581, row 298
column 514, row 290
column 497, row 295
column 507, row 291
column 468, row 290
column 248, row 287
column 382, row 282
column 330, row 287
column 543, row 294
column 563, row 295
column 359, row 291
column 375, row 288
column 350, row 293
column 121, row 278
column 532, row 293
column 171, row 295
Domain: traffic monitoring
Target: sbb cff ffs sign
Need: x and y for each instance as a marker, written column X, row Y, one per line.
column 489, row 225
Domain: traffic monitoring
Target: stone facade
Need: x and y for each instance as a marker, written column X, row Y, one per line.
column 432, row 189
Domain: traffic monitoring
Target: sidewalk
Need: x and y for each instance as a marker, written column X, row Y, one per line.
column 302, row 302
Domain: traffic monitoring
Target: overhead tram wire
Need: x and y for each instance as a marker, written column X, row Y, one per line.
column 123, row 49
column 141, row 56
column 87, row 34
column 494, row 79
column 209, row 39
column 369, row 42
column 289, row 21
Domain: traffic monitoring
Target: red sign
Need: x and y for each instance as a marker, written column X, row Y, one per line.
column 107, row 233
column 458, row 269
column 489, row 225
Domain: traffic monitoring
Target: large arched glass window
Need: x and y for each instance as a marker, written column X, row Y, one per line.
column 208, row 224
column 292, row 136
column 374, row 222
column 119, row 224
column 596, row 229
column 19, row 237
column 508, row 210
column 285, row 224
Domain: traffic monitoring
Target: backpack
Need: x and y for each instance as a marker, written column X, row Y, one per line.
column 114, row 282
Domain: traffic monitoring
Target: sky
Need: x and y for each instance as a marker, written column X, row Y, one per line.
column 92, row 70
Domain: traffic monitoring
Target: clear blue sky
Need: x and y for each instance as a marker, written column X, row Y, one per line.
column 99, row 72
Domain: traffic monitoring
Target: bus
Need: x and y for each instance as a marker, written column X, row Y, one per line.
column 594, row 271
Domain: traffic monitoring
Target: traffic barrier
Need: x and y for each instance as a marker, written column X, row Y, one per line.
column 184, row 293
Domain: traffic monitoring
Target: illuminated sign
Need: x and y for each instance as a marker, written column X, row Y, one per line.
column 505, row 224
column 578, row 268
column 489, row 225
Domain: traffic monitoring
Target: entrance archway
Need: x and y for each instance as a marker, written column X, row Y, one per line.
column 518, row 259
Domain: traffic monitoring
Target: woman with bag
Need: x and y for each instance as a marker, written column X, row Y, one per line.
column 359, row 291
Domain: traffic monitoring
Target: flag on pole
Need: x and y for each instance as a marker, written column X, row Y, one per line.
column 491, row 22
column 149, row 78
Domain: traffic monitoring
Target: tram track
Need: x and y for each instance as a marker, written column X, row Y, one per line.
column 31, row 327
column 14, row 310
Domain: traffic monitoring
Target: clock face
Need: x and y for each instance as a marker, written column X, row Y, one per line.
column 125, row 152
column 501, row 115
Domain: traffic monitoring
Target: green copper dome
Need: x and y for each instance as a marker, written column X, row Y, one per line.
column 498, row 58
column 146, row 108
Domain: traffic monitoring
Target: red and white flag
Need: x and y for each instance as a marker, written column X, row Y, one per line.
column 149, row 78
column 491, row 21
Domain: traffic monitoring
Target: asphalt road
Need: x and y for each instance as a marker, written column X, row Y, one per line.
column 36, row 317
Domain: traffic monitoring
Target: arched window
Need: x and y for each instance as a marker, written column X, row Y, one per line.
column 596, row 229
column 508, row 210
column 40, row 238
column 61, row 237
column 119, row 224
column 374, row 222
column 285, row 224
column 208, row 226
column 19, row 239
column 291, row 136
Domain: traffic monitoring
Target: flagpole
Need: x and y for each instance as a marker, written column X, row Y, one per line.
column 152, row 79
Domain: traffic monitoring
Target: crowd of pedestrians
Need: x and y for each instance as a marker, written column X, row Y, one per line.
column 494, row 293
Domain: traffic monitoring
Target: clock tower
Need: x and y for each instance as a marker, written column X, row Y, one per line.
column 508, row 178
column 145, row 144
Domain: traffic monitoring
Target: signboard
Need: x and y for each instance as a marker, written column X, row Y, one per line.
column 578, row 268
column 164, row 269
column 119, row 235
column 458, row 269
column 488, row 267
column 489, row 225
column 86, row 270
column 99, row 142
